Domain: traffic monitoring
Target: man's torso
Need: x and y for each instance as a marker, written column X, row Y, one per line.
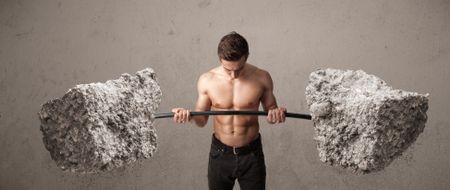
column 242, row 93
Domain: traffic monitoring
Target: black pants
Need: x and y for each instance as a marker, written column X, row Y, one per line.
column 246, row 164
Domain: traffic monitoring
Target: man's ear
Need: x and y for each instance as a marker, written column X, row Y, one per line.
column 246, row 57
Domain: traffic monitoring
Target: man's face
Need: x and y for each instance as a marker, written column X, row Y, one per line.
column 234, row 68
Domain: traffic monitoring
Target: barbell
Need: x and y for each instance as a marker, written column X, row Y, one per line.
column 232, row 112
column 359, row 121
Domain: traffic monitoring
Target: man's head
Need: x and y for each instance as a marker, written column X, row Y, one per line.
column 232, row 47
column 233, row 53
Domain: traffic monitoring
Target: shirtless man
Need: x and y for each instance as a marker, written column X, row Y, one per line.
column 236, row 150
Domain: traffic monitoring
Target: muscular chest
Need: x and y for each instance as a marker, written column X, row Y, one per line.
column 235, row 94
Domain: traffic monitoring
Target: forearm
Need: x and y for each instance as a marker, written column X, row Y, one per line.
column 200, row 121
column 267, row 108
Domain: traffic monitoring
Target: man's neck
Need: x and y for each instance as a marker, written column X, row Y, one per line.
column 236, row 74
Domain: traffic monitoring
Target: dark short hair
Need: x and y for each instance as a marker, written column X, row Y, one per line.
column 232, row 47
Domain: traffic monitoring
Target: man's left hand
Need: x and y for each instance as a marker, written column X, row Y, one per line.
column 276, row 115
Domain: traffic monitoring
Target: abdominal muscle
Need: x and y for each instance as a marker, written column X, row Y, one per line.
column 235, row 130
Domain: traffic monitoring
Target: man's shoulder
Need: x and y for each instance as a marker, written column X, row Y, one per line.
column 208, row 75
column 258, row 72
column 211, row 73
column 262, row 76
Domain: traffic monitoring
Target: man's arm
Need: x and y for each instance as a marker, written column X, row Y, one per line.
column 183, row 115
column 269, row 103
column 203, row 101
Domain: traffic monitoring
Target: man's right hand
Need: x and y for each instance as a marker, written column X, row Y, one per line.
column 181, row 115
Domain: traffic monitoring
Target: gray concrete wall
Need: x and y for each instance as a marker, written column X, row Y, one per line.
column 48, row 46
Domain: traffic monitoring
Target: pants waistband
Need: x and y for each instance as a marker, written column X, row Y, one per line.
column 252, row 146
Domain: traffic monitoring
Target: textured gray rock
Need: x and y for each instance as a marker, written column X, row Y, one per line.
column 360, row 122
column 101, row 126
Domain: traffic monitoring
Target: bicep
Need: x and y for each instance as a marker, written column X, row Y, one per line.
column 268, row 100
column 203, row 101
